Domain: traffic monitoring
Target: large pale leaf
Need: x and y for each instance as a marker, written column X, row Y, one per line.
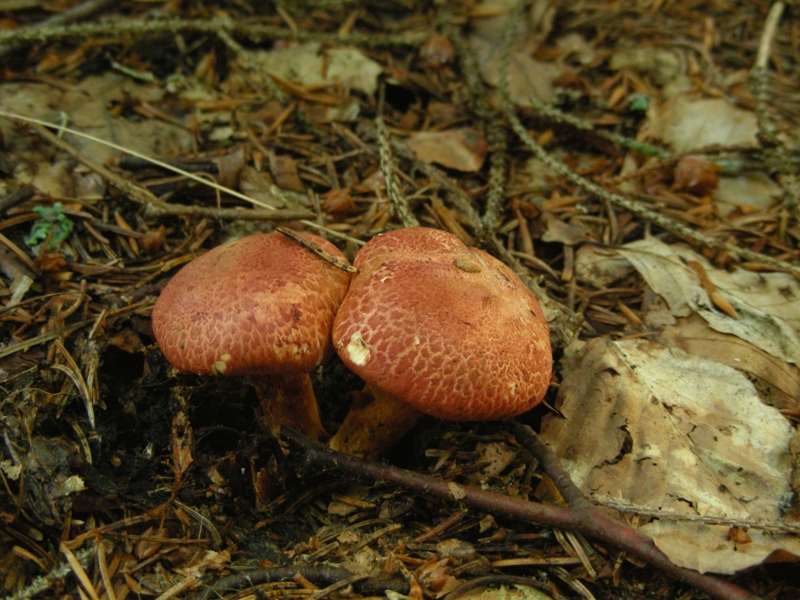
column 687, row 122
column 667, row 431
column 311, row 65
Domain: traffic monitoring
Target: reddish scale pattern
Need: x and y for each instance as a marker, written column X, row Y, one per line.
column 448, row 328
column 264, row 301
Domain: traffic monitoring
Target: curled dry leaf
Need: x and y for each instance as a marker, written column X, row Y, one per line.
column 569, row 234
column 338, row 201
column 694, row 174
column 768, row 304
column 284, row 171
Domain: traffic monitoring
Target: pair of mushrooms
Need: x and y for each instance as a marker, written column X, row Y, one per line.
column 432, row 326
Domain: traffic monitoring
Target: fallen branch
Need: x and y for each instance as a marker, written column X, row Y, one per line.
column 319, row 574
column 582, row 519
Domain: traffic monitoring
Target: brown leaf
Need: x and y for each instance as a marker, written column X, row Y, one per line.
column 284, row 171
column 694, row 174
column 460, row 149
column 661, row 429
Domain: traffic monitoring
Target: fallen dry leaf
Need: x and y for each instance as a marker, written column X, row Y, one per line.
column 777, row 380
column 528, row 79
column 460, row 149
column 755, row 190
column 686, row 123
column 664, row 65
column 86, row 108
column 707, row 548
column 768, row 304
column 658, row 428
column 569, row 234
column 315, row 67
column 600, row 266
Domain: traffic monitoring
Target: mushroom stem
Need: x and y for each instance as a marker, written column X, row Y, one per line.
column 288, row 399
column 375, row 423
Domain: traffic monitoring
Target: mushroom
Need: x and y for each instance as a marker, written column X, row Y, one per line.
column 261, row 306
column 436, row 327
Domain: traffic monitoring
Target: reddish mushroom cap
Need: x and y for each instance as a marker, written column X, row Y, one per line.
column 259, row 305
column 448, row 328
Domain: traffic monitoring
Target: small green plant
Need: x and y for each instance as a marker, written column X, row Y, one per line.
column 51, row 220
column 638, row 103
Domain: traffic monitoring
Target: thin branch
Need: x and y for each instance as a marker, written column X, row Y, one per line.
column 319, row 574
column 318, row 250
column 549, row 463
column 676, row 228
column 399, row 202
column 76, row 13
column 249, row 31
column 588, row 521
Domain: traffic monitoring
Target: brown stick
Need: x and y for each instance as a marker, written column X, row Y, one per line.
column 550, row 464
column 586, row 520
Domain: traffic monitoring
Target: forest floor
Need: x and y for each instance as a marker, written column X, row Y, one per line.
column 634, row 163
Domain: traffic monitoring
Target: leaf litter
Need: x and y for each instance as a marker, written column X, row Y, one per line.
column 668, row 431
column 684, row 380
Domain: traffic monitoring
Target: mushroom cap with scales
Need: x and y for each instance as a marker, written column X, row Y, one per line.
column 447, row 328
column 259, row 305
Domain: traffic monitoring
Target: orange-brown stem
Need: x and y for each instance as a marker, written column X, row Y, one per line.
column 374, row 424
column 289, row 400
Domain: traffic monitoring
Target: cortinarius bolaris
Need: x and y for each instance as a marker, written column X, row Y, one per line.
column 261, row 306
column 434, row 326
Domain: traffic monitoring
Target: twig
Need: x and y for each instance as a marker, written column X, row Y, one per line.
column 76, row 13
column 250, row 31
column 550, row 464
column 323, row 574
column 666, row 223
column 250, row 214
column 316, row 249
column 776, row 156
column 495, row 196
column 398, row 201
column 664, row 515
column 496, row 134
column 496, row 138
column 588, row 521
column 149, row 200
column 17, row 197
